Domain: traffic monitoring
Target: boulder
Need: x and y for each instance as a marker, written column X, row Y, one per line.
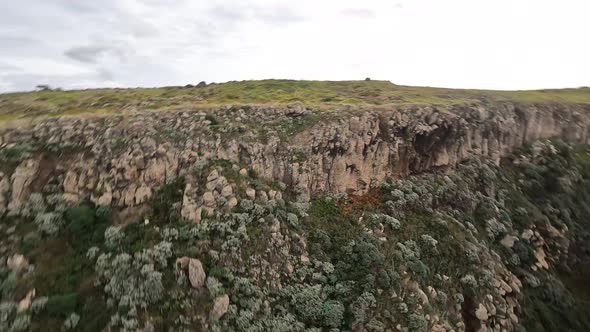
column 196, row 273
column 508, row 241
column 220, row 306
column 251, row 193
column 232, row 202
column 25, row 303
column 227, row 191
column 17, row 263
column 481, row 313
column 182, row 262
column 208, row 199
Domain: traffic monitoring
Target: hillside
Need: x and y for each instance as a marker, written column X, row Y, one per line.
column 317, row 94
column 295, row 206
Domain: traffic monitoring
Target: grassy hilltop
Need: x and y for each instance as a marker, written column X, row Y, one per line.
column 320, row 94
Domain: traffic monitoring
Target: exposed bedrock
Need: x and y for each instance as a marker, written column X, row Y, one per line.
column 121, row 160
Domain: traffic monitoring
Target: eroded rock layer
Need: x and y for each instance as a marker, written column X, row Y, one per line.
column 121, row 160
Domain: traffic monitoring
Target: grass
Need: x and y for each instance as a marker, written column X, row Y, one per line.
column 320, row 94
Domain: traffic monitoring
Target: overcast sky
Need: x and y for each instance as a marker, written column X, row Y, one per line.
column 497, row 44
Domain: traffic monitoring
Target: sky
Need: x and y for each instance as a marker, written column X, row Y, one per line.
column 487, row 44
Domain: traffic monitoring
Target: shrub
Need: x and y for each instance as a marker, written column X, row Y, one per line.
column 32, row 240
column 374, row 325
column 429, row 241
column 49, row 223
column 215, row 287
column 7, row 311
column 39, row 304
column 469, row 282
column 62, row 305
column 83, row 228
column 113, row 236
column 21, row 323
column 362, row 306
column 92, row 252
column 103, row 213
column 9, row 284
column 417, row 323
column 307, row 301
column 163, row 202
column 33, row 206
column 332, row 313
column 72, row 321
column 402, row 308
column 133, row 281
column 292, row 219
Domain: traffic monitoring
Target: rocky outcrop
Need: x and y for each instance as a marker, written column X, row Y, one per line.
column 196, row 273
column 220, row 307
column 22, row 178
column 121, row 160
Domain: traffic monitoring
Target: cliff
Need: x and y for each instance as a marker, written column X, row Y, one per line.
column 121, row 160
column 401, row 209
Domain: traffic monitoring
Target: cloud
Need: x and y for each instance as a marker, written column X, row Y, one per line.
column 278, row 15
column 73, row 43
column 92, row 54
column 89, row 54
column 227, row 13
column 271, row 14
column 358, row 13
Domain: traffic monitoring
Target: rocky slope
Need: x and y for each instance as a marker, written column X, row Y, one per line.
column 121, row 160
column 267, row 218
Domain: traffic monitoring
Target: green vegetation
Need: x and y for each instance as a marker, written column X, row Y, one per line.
column 320, row 94
column 426, row 246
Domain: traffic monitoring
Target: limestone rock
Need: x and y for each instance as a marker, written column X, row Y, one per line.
column 227, row 191
column 262, row 196
column 22, row 177
column 142, row 194
column 508, row 241
column 182, row 262
column 17, row 263
column 232, row 202
column 251, row 193
column 208, row 199
column 341, row 154
column 527, row 234
column 481, row 313
column 196, row 273
column 155, row 171
column 105, row 199
column 189, row 210
column 214, row 175
column 220, row 306
column 25, row 303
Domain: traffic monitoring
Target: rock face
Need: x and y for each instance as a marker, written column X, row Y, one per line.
column 196, row 273
column 22, row 178
column 122, row 160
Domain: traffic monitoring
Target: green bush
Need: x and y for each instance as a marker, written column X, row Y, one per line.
column 332, row 313
column 164, row 199
column 9, row 284
column 62, row 305
column 84, row 228
column 417, row 323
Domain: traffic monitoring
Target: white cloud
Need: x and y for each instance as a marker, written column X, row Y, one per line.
column 500, row 44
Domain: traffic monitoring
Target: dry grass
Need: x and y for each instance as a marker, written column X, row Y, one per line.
column 320, row 94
